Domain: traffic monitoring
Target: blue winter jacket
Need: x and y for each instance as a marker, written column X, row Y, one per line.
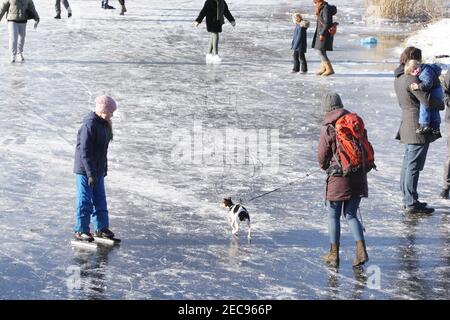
column 299, row 39
column 92, row 146
column 429, row 77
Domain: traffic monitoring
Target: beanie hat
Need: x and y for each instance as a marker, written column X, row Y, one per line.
column 331, row 101
column 105, row 104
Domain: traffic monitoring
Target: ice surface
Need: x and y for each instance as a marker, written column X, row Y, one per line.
column 176, row 241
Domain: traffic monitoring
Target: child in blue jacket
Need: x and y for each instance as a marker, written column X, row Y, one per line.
column 428, row 74
column 299, row 43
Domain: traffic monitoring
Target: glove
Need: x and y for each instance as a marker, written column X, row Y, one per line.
column 36, row 24
column 322, row 38
column 92, row 182
column 233, row 23
column 196, row 24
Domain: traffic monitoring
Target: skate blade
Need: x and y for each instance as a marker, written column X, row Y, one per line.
column 83, row 244
column 106, row 241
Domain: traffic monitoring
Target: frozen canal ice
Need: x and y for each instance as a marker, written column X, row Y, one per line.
column 163, row 202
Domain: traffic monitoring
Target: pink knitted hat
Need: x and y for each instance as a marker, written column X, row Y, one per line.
column 105, row 104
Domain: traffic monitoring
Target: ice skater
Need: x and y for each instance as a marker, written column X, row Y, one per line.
column 90, row 169
column 58, row 8
column 299, row 43
column 18, row 14
column 214, row 11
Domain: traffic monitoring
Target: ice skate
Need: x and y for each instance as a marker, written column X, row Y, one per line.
column 20, row 58
column 104, row 233
column 106, row 237
column 209, row 58
column 83, row 236
column 216, row 59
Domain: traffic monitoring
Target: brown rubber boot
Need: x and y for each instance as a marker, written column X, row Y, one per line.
column 361, row 253
column 332, row 257
column 328, row 69
column 322, row 69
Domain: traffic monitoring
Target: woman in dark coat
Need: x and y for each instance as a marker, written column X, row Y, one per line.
column 323, row 40
column 91, row 165
column 343, row 193
column 214, row 11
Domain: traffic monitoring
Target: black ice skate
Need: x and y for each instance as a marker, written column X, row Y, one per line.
column 83, row 236
column 106, row 236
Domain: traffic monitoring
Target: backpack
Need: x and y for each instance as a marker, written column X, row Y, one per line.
column 354, row 152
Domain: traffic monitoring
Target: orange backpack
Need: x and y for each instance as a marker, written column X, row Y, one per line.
column 354, row 152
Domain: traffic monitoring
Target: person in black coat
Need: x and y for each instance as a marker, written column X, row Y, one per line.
column 445, row 191
column 91, row 166
column 299, row 43
column 323, row 39
column 214, row 11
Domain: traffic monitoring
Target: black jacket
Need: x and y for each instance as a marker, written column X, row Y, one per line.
column 92, row 146
column 409, row 101
column 214, row 11
column 324, row 22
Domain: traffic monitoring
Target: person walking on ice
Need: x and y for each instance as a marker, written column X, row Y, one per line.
column 214, row 11
column 18, row 13
column 299, row 43
column 90, row 168
column 58, row 8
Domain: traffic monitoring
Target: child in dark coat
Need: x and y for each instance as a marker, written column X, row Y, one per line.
column 428, row 74
column 299, row 43
column 214, row 11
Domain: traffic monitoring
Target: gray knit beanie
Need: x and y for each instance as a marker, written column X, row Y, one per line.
column 331, row 101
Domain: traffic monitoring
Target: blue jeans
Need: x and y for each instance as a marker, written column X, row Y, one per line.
column 413, row 163
column 429, row 117
column 90, row 201
column 350, row 208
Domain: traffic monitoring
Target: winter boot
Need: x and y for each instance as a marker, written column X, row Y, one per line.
column 58, row 16
column 444, row 194
column 322, row 69
column 361, row 253
column 328, row 69
column 104, row 233
column 83, row 236
column 122, row 12
column 332, row 257
column 20, row 58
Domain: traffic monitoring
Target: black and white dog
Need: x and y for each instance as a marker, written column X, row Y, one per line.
column 236, row 214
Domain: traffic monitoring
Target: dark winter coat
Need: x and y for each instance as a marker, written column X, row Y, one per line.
column 409, row 101
column 214, row 11
column 324, row 22
column 299, row 39
column 429, row 77
column 337, row 188
column 446, row 86
column 92, row 146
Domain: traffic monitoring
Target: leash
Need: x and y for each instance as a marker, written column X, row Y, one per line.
column 283, row 186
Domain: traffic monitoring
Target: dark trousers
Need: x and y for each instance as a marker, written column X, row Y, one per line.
column 447, row 162
column 299, row 58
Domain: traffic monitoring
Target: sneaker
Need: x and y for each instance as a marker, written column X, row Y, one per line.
column 217, row 59
column 444, row 194
column 58, row 16
column 209, row 58
column 84, row 236
column 20, row 57
column 12, row 59
column 419, row 210
column 104, row 233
